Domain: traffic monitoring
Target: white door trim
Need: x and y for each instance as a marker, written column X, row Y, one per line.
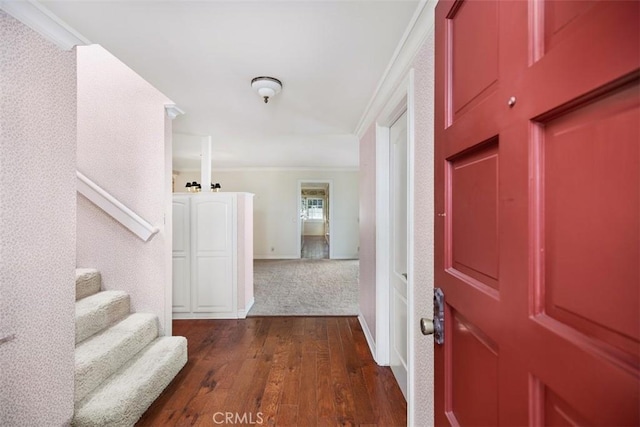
column 329, row 182
column 401, row 100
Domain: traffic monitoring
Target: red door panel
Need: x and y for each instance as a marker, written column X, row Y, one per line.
column 474, row 382
column 473, row 188
column 474, row 38
column 591, row 206
column 538, row 204
column 556, row 412
column 587, row 293
column 558, row 16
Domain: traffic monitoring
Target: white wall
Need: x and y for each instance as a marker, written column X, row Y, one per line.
column 313, row 227
column 121, row 147
column 37, row 227
column 245, row 252
column 276, row 207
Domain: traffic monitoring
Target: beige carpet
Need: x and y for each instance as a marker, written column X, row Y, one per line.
column 305, row 287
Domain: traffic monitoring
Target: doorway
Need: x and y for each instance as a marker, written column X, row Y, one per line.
column 314, row 224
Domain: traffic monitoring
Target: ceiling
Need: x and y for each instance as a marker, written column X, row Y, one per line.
column 329, row 55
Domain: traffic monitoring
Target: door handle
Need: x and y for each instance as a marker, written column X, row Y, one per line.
column 426, row 326
column 435, row 326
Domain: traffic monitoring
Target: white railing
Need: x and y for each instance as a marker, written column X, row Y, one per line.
column 105, row 201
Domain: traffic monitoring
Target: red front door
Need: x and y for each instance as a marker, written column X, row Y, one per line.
column 538, row 212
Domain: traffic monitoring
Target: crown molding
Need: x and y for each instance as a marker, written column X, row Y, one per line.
column 44, row 22
column 215, row 169
column 419, row 28
column 173, row 111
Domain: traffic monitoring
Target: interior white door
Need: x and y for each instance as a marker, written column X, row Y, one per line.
column 214, row 288
column 398, row 252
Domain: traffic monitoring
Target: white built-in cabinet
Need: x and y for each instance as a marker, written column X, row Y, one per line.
column 212, row 255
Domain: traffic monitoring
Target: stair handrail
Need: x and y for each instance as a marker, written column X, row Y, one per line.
column 116, row 209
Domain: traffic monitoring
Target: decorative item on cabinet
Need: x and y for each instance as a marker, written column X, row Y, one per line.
column 212, row 255
column 193, row 187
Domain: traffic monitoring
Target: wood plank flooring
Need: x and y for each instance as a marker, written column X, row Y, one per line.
column 315, row 247
column 278, row 371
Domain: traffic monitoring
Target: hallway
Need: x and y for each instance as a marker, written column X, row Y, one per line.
column 315, row 247
column 284, row 371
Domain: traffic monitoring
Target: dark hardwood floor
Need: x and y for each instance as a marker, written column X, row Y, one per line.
column 278, row 371
column 315, row 247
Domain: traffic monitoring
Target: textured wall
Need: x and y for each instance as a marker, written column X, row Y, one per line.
column 275, row 207
column 121, row 147
column 423, row 230
column 367, row 290
column 37, row 230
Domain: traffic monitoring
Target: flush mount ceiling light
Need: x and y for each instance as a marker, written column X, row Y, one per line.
column 266, row 86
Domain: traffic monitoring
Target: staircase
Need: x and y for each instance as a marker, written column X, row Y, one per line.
column 122, row 365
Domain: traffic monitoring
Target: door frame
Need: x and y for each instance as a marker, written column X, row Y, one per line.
column 329, row 182
column 400, row 101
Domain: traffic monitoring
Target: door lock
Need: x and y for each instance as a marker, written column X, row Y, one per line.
column 435, row 326
column 426, row 326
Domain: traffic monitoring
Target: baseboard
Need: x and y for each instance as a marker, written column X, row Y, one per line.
column 242, row 314
column 346, row 257
column 189, row 316
column 368, row 336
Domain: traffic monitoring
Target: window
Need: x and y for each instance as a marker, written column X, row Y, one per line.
column 312, row 208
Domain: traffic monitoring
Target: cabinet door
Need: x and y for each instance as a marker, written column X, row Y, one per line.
column 213, row 222
column 181, row 259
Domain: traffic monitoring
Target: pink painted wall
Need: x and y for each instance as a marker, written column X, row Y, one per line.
column 121, row 147
column 367, row 185
column 37, row 227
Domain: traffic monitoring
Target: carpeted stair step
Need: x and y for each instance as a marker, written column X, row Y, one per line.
column 88, row 282
column 96, row 312
column 125, row 396
column 101, row 355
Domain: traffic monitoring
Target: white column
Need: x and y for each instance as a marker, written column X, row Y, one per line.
column 205, row 165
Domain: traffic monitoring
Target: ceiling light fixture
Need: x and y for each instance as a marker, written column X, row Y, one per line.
column 266, row 86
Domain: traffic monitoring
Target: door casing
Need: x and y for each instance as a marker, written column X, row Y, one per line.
column 402, row 100
column 329, row 182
